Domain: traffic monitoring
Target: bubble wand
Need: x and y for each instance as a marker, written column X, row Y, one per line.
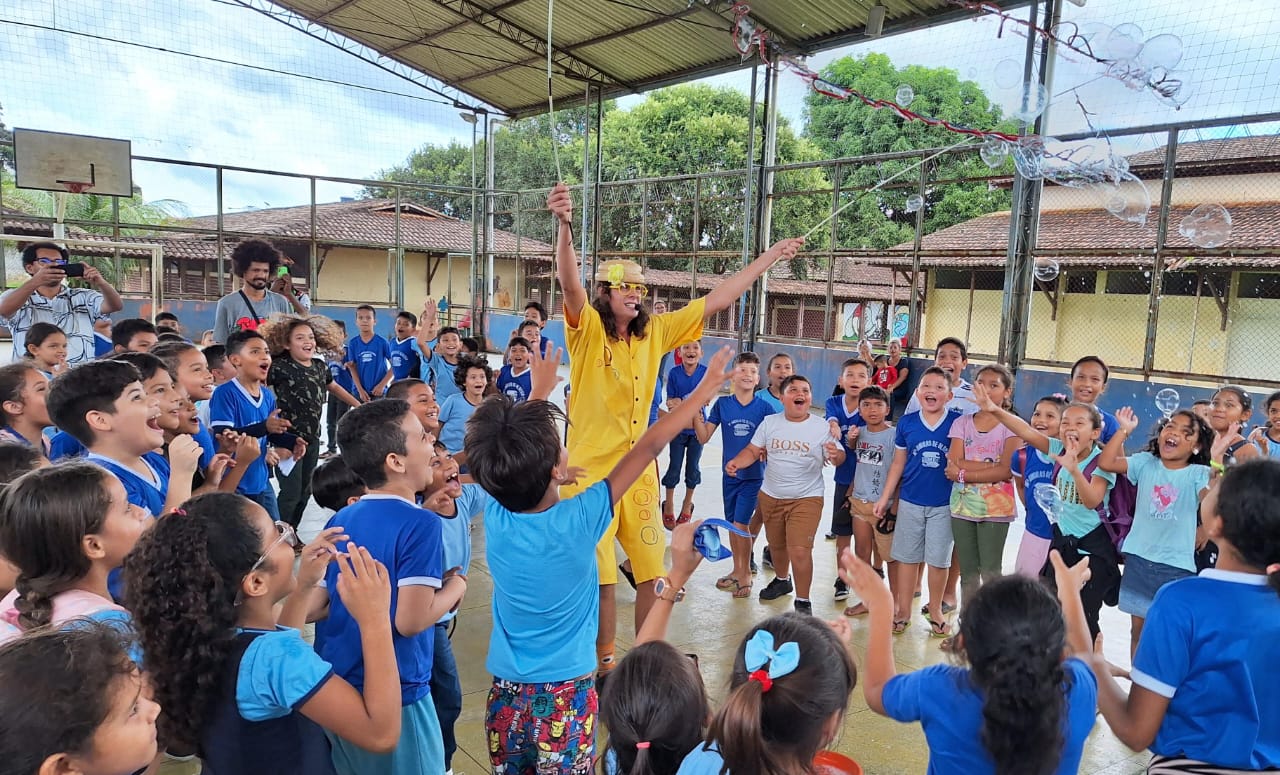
column 551, row 103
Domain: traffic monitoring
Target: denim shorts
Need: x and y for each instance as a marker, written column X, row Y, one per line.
column 1142, row 580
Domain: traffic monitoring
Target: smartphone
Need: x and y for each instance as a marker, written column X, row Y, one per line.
column 72, row 270
column 283, row 271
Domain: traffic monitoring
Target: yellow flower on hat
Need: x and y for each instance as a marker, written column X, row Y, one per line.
column 616, row 273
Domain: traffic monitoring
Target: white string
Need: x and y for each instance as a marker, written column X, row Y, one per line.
column 879, row 185
column 551, row 105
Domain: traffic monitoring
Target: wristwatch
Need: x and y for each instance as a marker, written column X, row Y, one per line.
column 662, row 585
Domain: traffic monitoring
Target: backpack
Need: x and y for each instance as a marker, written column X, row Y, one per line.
column 1116, row 511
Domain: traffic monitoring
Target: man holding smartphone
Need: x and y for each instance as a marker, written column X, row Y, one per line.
column 46, row 298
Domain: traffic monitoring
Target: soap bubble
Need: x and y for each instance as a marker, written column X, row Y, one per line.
column 1050, row 500
column 915, row 203
column 905, row 95
column 1008, row 73
column 1124, row 42
column 1167, row 401
column 744, row 34
column 831, row 90
column 994, row 152
column 1127, row 200
column 1031, row 102
column 1164, row 51
column 1045, row 270
column 1207, row 226
column 1028, row 156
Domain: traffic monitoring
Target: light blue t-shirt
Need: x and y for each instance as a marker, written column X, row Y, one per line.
column 455, row 532
column 924, row 478
column 764, row 395
column 738, row 424
column 1209, row 647
column 1164, row 516
column 454, row 413
column 545, row 613
column 278, row 674
column 949, row 708
column 438, row 373
column 1076, row 519
column 704, row 759
column 836, row 411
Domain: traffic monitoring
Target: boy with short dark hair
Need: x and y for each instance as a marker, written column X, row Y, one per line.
column 440, row 349
column 386, row 447
column 874, row 452
column 514, row 379
column 246, row 405
column 133, row 335
column 544, row 624
column 337, row 407
column 685, row 450
column 368, row 356
column 334, row 485
column 405, row 361
column 167, row 321
column 952, row 357
column 845, row 422
column 534, row 312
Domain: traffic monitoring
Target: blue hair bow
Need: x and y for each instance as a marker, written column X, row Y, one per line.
column 707, row 539
column 780, row 661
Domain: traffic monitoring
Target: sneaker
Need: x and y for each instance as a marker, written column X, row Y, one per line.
column 804, row 607
column 776, row 589
column 831, row 536
column 766, row 559
column 842, row 590
column 755, row 569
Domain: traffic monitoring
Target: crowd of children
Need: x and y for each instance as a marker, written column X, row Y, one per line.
column 155, row 590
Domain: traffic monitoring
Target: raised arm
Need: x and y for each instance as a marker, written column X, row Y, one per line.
column 428, row 327
column 111, row 301
column 560, row 203
column 733, row 286
column 1112, row 457
column 878, row 667
column 684, row 561
column 1013, row 422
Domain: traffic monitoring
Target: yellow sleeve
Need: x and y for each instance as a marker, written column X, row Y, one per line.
column 682, row 326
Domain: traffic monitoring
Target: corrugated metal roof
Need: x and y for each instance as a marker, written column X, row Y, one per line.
column 495, row 50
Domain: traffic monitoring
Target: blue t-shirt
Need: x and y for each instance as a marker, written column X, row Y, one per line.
column 64, row 445
column 455, row 532
column 405, row 361
column 278, row 674
column 102, row 345
column 1038, row 470
column 371, row 359
column 1208, row 646
column 1077, row 519
column 680, row 385
column 924, row 478
column 738, row 424
column 1109, row 427
column 836, row 411
column 341, row 376
column 1164, row 516
column 454, row 413
column 438, row 373
column 949, row 708
column 405, row 538
column 544, row 623
column 145, row 493
column 704, row 759
column 517, row 387
column 207, row 446
column 233, row 407
column 764, row 395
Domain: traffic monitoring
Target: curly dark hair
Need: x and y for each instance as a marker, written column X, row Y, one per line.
column 254, row 251
column 1014, row 635
column 639, row 325
column 1204, row 437
column 44, row 516
column 468, row 362
column 181, row 583
column 279, row 328
column 58, row 689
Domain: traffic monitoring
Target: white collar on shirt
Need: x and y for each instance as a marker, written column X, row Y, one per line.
column 386, row 496
column 1235, row 577
column 249, row 396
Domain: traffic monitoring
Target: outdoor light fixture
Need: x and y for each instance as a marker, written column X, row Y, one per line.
column 470, row 118
column 875, row 21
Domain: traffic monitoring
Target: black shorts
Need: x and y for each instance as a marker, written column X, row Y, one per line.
column 841, row 517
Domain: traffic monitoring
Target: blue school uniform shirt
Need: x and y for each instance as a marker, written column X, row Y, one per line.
column 1109, row 427
column 949, row 708
column 102, row 345
column 764, row 395
column 1164, row 515
column 924, row 478
column 438, row 373
column 545, row 613
column 341, row 376
column 147, row 494
column 278, row 674
column 405, row 361
column 371, row 359
column 64, row 445
column 738, row 424
column 1038, row 470
column 455, row 532
column 517, row 387
column 1208, row 646
column 233, row 407
column 208, row 448
column 836, row 411
column 680, row 385
column 454, row 413
column 405, row 538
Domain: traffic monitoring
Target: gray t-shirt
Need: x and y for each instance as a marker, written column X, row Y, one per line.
column 875, row 454
column 233, row 314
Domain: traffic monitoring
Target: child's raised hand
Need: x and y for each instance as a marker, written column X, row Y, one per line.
column 719, row 370
column 317, row 555
column 560, row 203
column 228, row 441
column 277, row 424
column 865, row 583
column 983, row 400
column 1127, row 419
column 842, row 629
column 544, row 372
column 364, row 587
column 184, row 454
column 1069, row 580
column 684, row 558
column 574, row 474
column 1223, row 441
column 218, row 468
column 1070, row 457
column 247, row 448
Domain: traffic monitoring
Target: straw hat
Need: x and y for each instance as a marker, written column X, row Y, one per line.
column 619, row 270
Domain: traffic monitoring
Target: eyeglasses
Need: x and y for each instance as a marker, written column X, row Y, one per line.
column 287, row 536
column 639, row 288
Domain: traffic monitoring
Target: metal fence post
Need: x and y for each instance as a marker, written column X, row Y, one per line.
column 1157, row 266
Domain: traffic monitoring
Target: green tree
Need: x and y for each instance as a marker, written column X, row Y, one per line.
column 95, row 208
column 848, row 128
column 6, row 143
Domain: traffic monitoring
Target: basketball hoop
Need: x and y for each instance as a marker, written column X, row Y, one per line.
column 76, row 186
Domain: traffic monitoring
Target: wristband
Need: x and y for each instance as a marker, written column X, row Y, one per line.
column 960, row 480
column 1219, row 467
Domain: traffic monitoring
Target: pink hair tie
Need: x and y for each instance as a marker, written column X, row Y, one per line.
column 643, row 745
column 180, row 512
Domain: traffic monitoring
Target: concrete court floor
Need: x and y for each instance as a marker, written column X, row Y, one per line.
column 712, row 624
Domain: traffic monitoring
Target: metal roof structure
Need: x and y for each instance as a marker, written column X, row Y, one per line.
column 495, row 50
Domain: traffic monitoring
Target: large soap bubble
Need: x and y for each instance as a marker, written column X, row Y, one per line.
column 1167, row 401
column 915, row 203
column 1008, row 73
column 1045, row 270
column 1124, row 43
column 994, row 152
column 1050, row 500
column 1127, row 200
column 1163, row 51
column 905, row 95
column 1207, row 226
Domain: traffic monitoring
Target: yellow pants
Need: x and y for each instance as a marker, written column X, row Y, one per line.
column 637, row 525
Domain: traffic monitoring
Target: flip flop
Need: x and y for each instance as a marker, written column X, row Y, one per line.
column 742, row 591
column 946, row 609
column 856, row 610
column 726, row 583
column 685, row 516
column 628, row 575
column 901, row 626
column 937, row 630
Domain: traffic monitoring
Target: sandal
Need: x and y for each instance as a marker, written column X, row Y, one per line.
column 668, row 517
column 685, row 516
column 946, row 609
column 742, row 591
column 901, row 625
column 886, row 524
column 856, row 610
column 628, row 575
column 726, row 583
column 937, row 630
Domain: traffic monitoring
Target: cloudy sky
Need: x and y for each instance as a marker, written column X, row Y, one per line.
column 235, row 87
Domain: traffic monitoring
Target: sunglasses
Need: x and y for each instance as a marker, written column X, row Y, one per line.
column 639, row 288
column 287, row 536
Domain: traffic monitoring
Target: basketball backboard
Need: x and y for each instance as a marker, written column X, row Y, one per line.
column 54, row 161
